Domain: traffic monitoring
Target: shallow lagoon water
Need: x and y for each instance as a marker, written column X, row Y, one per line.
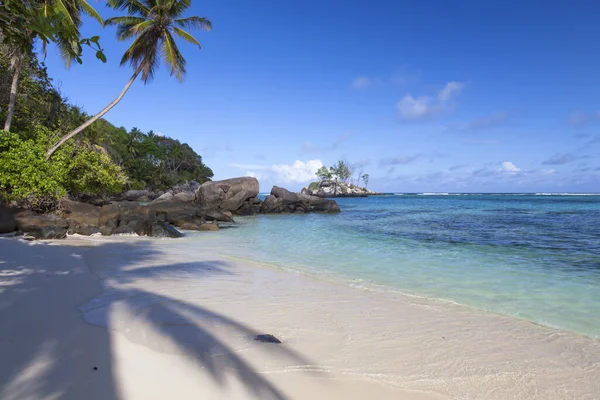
column 532, row 257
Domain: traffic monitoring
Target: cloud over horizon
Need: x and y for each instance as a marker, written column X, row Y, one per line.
column 297, row 172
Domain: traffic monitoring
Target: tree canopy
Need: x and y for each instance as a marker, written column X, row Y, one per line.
column 104, row 159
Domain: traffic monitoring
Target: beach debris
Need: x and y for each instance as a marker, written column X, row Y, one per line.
column 267, row 338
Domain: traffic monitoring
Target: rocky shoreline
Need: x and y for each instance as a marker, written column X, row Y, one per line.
column 188, row 207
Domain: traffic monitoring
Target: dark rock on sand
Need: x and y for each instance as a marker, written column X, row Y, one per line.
column 29, row 221
column 7, row 221
column 175, row 211
column 49, row 232
column 162, row 229
column 267, row 338
column 82, row 218
column 122, row 213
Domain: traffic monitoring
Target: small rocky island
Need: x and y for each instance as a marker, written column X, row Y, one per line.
column 331, row 188
column 188, row 207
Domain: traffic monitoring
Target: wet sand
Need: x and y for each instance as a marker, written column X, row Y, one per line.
column 158, row 323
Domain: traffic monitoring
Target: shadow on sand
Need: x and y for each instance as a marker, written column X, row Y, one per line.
column 42, row 352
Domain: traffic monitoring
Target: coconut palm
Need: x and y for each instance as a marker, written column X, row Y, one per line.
column 24, row 21
column 153, row 24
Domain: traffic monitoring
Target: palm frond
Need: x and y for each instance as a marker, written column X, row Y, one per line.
column 139, row 28
column 194, row 23
column 142, row 54
column 124, row 20
column 172, row 56
column 91, row 11
column 186, row 36
column 62, row 8
column 153, row 24
column 178, row 7
column 133, row 7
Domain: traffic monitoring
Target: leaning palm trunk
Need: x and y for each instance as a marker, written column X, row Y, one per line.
column 95, row 117
column 17, row 66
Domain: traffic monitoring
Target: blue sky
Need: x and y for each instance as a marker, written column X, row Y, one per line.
column 463, row 96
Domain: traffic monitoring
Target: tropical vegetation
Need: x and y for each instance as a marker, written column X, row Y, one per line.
column 100, row 158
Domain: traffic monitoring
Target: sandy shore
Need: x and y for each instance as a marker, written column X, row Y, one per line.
column 133, row 318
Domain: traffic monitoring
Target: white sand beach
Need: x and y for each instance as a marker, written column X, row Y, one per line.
column 136, row 318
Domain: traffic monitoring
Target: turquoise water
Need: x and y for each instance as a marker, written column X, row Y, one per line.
column 530, row 256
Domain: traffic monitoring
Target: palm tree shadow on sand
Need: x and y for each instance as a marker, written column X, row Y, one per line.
column 184, row 325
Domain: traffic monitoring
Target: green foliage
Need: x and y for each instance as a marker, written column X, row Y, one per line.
column 23, row 21
column 26, row 176
column 313, row 186
column 157, row 162
column 341, row 171
column 154, row 26
column 92, row 172
column 324, row 173
column 38, row 101
column 103, row 159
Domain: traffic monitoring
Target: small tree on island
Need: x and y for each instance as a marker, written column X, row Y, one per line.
column 365, row 178
column 340, row 172
column 324, row 173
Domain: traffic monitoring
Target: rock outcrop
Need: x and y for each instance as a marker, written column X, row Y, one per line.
column 7, row 221
column 137, row 195
column 213, row 202
column 41, row 226
column 328, row 188
column 82, row 217
column 227, row 195
column 282, row 200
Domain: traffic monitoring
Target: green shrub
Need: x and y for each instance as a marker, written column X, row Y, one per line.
column 90, row 171
column 27, row 178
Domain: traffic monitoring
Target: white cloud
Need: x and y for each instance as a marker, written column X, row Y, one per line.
column 549, row 171
column 362, row 82
column 298, row 172
column 509, row 168
column 449, row 91
column 413, row 108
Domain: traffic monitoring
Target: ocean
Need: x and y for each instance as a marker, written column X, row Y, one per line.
column 531, row 256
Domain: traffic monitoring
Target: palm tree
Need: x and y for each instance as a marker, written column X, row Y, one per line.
column 153, row 24
column 48, row 20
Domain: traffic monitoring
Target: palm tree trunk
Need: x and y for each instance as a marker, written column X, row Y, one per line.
column 95, row 117
column 17, row 65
